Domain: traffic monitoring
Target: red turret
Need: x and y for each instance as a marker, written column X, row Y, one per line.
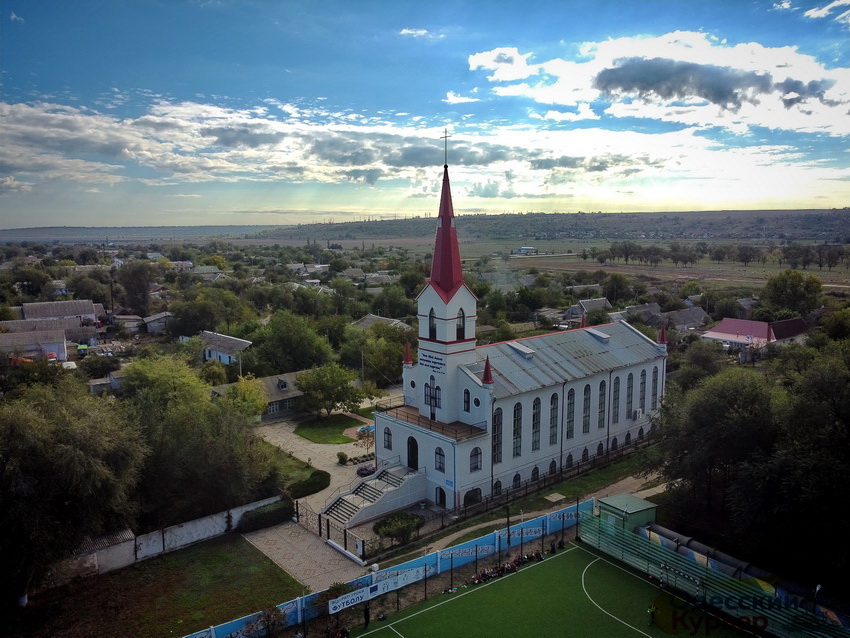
column 408, row 360
column 446, row 270
column 662, row 334
column 487, row 377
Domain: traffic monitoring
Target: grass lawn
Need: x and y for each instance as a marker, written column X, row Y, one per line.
column 367, row 413
column 329, row 430
column 291, row 469
column 171, row 595
column 575, row 593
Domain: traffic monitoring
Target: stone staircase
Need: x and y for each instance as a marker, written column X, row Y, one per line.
column 367, row 492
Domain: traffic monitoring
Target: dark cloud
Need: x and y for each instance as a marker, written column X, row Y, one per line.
column 368, row 175
column 343, row 151
column 158, row 124
column 669, row 79
column 548, row 163
column 593, row 164
column 727, row 87
column 234, row 137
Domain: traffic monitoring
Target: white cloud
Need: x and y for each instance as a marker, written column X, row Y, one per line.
column 506, row 63
column 420, row 33
column 453, row 98
column 823, row 12
column 16, row 18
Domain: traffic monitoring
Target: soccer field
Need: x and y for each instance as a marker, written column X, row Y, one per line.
column 575, row 593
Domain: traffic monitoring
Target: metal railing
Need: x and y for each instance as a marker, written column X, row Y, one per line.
column 346, row 489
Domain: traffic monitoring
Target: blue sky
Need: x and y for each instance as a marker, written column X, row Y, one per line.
column 146, row 112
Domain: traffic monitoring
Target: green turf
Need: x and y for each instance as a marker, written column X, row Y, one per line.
column 576, row 593
column 329, row 430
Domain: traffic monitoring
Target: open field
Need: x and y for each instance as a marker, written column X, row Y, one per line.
column 575, row 593
column 171, row 595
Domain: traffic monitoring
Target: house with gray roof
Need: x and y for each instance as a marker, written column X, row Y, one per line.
column 281, row 394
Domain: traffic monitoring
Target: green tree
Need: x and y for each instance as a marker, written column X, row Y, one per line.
column 247, row 397
column 136, row 278
column 793, row 290
column 213, row 372
column 329, row 388
column 288, row 343
column 98, row 367
column 616, row 288
column 68, row 465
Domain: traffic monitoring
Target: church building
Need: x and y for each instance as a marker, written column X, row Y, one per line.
column 478, row 420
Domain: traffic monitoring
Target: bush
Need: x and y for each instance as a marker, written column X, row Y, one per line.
column 343, row 457
column 266, row 516
column 398, row 526
column 316, row 482
column 366, row 470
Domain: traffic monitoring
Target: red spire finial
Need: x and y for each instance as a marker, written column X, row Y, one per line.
column 487, row 377
column 662, row 334
column 446, row 270
column 408, row 360
column 583, row 321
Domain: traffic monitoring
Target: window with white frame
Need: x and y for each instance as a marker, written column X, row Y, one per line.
column 475, row 459
column 517, row 449
column 553, row 419
column 497, row 436
column 439, row 460
column 535, row 425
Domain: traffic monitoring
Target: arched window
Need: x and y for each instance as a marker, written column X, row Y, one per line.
column 517, row 481
column 535, row 425
column 643, row 390
column 569, row 462
column 571, row 413
column 630, row 387
column 585, row 415
column 388, row 439
column 461, row 324
column 553, row 467
column 600, row 421
column 432, row 393
column 628, row 438
column 614, row 444
column 640, row 434
column 497, row 436
column 535, row 474
column 472, row 496
column 584, row 455
column 432, row 324
column 600, row 450
column 553, row 420
column 517, row 449
column 466, row 400
column 475, row 459
column 615, row 401
column 655, row 387
column 439, row 460
column 497, row 488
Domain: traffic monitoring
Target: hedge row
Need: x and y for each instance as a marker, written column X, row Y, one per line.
column 316, row 482
column 266, row 516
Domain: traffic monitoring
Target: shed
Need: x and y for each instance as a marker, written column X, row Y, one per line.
column 627, row 511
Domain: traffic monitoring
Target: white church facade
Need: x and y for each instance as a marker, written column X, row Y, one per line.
column 479, row 420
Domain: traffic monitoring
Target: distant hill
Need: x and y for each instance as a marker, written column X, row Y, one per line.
column 811, row 225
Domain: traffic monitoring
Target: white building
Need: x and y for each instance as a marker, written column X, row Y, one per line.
column 477, row 420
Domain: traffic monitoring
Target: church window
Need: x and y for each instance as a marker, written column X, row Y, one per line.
column 553, row 467
column 571, row 413
column 497, row 488
column 615, row 408
column 569, row 461
column 630, row 382
column 413, row 384
column 553, row 420
column 517, row 449
column 535, row 474
column 388, row 439
column 432, row 324
column 476, row 402
column 600, row 450
column 432, row 394
column 643, row 390
column 461, row 325
column 497, row 436
column 655, row 387
column 585, row 415
column 535, row 425
column 439, row 460
column 475, row 459
column 614, row 444
column 584, row 455
column 628, row 438
column 466, row 400
column 600, row 422
column 517, row 481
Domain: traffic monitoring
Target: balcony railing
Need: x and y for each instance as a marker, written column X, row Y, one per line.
column 456, row 430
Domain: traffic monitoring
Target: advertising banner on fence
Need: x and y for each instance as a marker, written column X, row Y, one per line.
column 531, row 532
column 403, row 579
column 461, row 552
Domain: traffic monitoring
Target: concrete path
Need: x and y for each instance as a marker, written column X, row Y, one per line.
column 305, row 556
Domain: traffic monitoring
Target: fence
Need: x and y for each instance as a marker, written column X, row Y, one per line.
column 412, row 580
column 343, row 538
column 748, row 602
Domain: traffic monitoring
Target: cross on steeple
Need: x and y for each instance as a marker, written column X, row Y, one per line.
column 445, row 136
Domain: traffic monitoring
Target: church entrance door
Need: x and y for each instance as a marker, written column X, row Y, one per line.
column 412, row 453
column 441, row 497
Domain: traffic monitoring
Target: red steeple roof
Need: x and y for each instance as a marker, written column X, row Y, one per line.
column 487, row 377
column 408, row 360
column 446, row 270
column 662, row 334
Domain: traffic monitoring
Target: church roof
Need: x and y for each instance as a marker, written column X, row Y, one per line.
column 446, row 269
column 553, row 359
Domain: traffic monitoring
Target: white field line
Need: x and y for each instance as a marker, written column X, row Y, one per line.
column 599, row 607
column 466, row 593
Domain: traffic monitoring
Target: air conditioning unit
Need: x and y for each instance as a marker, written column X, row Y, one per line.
column 638, row 414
